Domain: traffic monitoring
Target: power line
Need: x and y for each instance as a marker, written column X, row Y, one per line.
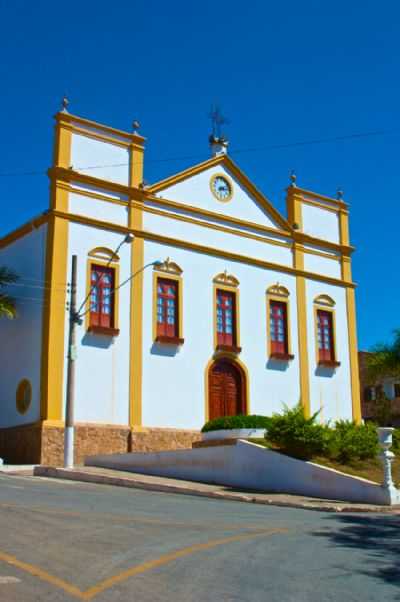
column 316, row 141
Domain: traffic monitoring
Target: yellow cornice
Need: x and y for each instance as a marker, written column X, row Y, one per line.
column 202, row 223
column 236, row 172
column 215, row 216
column 202, row 249
column 186, row 173
column 34, row 223
column 68, row 175
column 295, row 190
column 62, row 117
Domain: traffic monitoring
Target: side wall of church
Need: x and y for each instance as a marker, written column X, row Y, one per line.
column 21, row 339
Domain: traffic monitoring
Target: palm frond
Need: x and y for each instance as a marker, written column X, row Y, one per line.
column 7, row 306
column 7, row 276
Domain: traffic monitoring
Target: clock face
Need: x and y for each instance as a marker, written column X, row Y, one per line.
column 221, row 188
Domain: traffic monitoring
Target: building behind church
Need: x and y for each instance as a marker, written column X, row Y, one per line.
column 214, row 304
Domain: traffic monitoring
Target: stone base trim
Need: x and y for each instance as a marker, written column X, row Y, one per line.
column 43, row 443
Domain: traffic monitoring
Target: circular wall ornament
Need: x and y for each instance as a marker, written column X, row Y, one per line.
column 23, row 396
column 221, row 187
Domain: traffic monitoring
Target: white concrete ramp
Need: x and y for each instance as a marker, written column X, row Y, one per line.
column 248, row 466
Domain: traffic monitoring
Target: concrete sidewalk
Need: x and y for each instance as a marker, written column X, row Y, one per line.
column 105, row 476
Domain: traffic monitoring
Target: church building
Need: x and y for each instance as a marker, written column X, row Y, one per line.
column 196, row 297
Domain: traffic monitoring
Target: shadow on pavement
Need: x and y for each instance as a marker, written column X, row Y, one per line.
column 379, row 536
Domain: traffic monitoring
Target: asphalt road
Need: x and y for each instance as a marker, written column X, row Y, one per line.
column 63, row 541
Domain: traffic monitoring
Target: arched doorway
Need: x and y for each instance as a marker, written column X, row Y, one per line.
column 226, row 389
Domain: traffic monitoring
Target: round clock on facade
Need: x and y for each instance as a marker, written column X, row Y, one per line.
column 221, row 188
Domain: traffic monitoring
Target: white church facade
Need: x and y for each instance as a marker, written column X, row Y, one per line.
column 198, row 299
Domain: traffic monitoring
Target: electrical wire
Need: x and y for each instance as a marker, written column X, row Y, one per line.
column 328, row 140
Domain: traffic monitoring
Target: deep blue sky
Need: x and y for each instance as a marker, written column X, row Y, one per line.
column 283, row 72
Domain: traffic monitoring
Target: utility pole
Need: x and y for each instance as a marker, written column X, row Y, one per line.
column 69, row 406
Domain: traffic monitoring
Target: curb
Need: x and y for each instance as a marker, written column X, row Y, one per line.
column 134, row 483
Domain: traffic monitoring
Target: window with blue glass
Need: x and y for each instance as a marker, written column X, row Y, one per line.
column 226, row 318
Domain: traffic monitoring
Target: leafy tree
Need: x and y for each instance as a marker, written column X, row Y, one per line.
column 384, row 361
column 7, row 303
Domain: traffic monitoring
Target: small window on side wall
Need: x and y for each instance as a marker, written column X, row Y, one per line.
column 278, row 333
column 102, row 292
column 167, row 318
column 325, row 331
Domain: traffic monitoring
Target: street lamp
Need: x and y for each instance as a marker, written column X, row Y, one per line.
column 75, row 317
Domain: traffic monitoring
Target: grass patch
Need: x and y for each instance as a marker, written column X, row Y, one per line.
column 370, row 468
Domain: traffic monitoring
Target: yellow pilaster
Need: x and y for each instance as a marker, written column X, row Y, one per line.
column 54, row 312
column 351, row 319
column 294, row 211
column 136, row 310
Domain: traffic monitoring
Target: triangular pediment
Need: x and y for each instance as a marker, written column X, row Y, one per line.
column 195, row 187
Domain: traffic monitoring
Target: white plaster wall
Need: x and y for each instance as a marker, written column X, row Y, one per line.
column 320, row 223
column 21, row 339
column 322, row 265
column 251, row 467
column 220, row 240
column 174, row 383
column 110, row 161
column 103, row 191
column 98, row 209
column 102, row 367
column 196, row 191
column 330, row 389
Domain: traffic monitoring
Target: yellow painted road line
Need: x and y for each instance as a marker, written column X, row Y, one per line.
column 135, row 570
column 166, row 558
column 126, row 518
column 43, row 575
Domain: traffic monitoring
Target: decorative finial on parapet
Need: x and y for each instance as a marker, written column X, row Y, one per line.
column 64, row 104
column 136, row 126
column 293, row 179
column 339, row 194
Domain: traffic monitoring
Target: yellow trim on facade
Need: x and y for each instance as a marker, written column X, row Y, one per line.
column 53, row 320
column 94, row 261
column 303, row 344
column 179, row 280
column 235, row 360
column 93, row 195
column 353, row 352
column 54, row 310
column 23, row 230
column 234, row 221
column 283, row 297
column 230, row 184
column 212, row 226
column 325, row 207
column 236, row 172
column 174, row 242
column 219, row 286
column 310, row 195
column 74, row 129
column 71, row 119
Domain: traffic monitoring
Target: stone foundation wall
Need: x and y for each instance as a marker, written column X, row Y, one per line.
column 44, row 444
column 21, row 444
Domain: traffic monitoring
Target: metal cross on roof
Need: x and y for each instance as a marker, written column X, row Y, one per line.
column 217, row 121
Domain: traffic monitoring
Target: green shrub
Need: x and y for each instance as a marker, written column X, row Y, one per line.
column 237, row 422
column 396, row 442
column 297, row 435
column 350, row 441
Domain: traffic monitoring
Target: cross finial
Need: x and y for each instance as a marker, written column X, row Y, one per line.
column 64, row 104
column 217, row 121
column 339, row 194
column 293, row 178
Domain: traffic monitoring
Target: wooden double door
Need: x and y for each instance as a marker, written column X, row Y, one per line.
column 226, row 389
